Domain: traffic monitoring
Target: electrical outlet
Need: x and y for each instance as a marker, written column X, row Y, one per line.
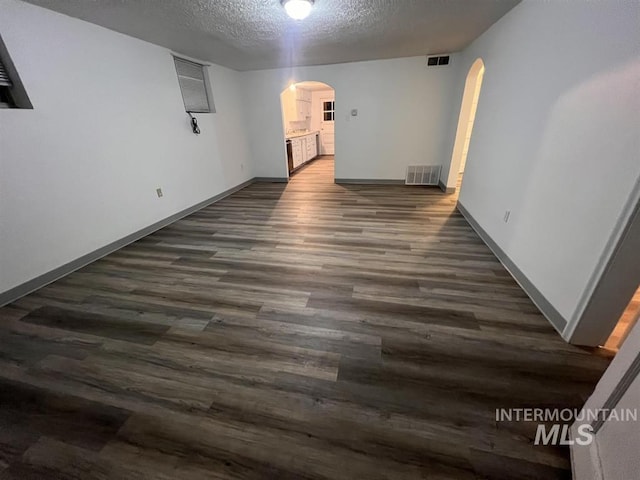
column 507, row 214
column 354, row 112
column 159, row 192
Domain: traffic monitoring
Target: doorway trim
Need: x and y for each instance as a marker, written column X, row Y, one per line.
column 472, row 87
column 283, row 120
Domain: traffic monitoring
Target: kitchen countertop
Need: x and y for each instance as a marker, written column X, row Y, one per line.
column 289, row 136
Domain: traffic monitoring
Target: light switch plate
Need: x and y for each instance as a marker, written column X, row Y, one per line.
column 159, row 192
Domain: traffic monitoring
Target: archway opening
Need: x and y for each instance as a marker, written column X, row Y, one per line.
column 466, row 120
column 308, row 116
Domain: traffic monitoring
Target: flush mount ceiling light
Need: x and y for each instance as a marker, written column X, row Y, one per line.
column 297, row 9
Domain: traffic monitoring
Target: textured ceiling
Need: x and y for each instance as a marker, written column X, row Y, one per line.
column 257, row 34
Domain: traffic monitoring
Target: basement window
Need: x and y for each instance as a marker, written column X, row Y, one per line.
column 194, row 85
column 12, row 92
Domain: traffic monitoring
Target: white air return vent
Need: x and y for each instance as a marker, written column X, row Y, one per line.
column 423, row 175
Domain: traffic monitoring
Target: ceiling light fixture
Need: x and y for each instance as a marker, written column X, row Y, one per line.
column 297, row 9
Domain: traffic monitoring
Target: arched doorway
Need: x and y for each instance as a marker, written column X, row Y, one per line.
column 472, row 87
column 308, row 117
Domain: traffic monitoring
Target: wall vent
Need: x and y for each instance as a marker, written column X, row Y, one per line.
column 423, row 175
column 441, row 60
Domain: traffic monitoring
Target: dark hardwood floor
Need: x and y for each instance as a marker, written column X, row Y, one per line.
column 299, row 331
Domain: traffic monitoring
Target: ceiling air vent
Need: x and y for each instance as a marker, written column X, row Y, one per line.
column 442, row 60
column 422, row 175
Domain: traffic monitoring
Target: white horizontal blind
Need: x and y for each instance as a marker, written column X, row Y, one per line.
column 192, row 85
column 5, row 81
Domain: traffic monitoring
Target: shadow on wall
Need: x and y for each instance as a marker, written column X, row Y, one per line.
column 586, row 128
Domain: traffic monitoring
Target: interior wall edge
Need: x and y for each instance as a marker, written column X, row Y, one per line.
column 604, row 262
column 546, row 308
column 43, row 280
column 445, row 189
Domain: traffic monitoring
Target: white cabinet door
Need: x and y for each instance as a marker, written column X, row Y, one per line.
column 296, row 110
column 297, row 105
column 303, row 94
column 302, row 104
column 302, row 110
column 298, row 155
column 303, row 147
column 310, row 147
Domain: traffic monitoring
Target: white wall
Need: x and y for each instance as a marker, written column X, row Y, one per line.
column 556, row 138
column 613, row 455
column 404, row 111
column 108, row 127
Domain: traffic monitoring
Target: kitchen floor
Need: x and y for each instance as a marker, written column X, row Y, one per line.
column 326, row 174
column 290, row 331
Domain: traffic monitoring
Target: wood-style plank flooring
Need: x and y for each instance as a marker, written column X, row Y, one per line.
column 625, row 324
column 299, row 331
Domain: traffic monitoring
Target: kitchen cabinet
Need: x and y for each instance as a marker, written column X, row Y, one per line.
column 297, row 151
column 303, row 95
column 303, row 110
column 303, row 149
column 297, row 105
column 311, row 147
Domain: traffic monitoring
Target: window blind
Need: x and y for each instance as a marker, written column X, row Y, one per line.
column 192, row 85
column 5, row 81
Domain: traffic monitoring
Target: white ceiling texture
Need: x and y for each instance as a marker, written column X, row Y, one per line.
column 258, row 34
